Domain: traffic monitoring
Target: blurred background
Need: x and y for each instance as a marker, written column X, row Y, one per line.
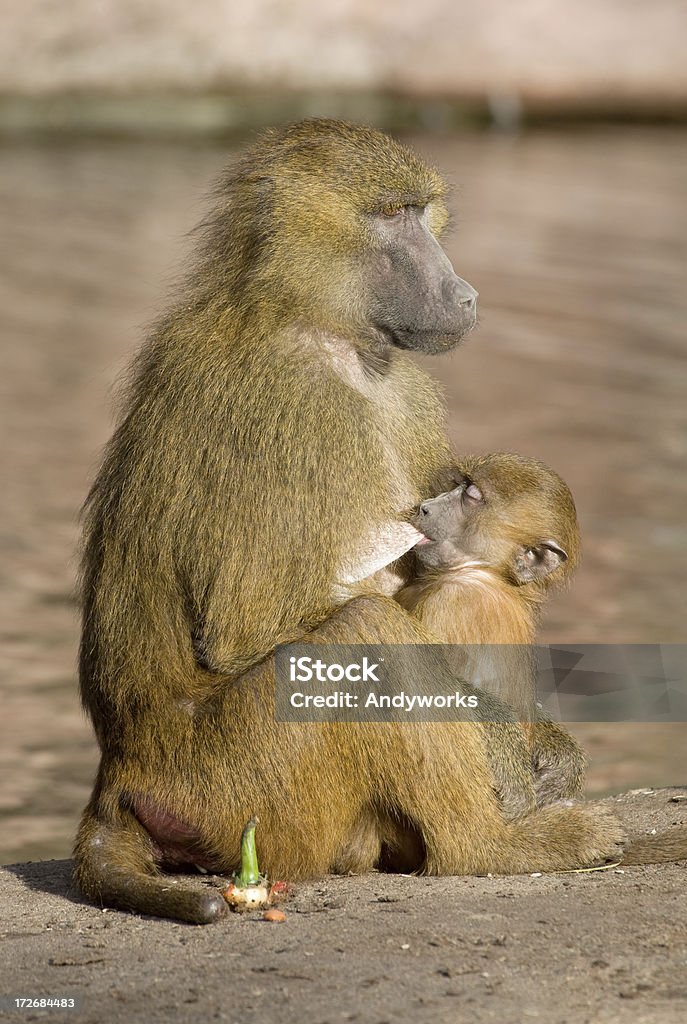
column 561, row 126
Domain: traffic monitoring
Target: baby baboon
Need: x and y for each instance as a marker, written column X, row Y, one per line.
column 273, row 416
column 492, row 548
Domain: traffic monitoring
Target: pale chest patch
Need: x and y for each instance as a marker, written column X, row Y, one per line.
column 372, row 554
column 378, row 549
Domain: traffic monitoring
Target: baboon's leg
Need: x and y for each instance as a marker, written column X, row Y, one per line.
column 449, row 798
column 309, row 784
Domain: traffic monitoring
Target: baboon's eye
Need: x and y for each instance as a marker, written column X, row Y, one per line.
column 393, row 211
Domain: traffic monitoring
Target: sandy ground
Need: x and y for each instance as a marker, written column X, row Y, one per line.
column 606, row 947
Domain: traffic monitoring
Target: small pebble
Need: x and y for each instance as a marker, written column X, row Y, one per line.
column 274, row 915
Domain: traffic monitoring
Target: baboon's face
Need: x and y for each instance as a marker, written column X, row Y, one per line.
column 349, row 221
column 508, row 514
column 447, row 523
column 417, row 301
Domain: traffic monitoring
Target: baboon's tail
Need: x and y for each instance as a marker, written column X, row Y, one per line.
column 116, row 867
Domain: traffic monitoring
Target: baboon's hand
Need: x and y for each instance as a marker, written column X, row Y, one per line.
column 559, row 762
column 511, row 767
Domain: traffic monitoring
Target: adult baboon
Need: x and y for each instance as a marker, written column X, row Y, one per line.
column 272, row 416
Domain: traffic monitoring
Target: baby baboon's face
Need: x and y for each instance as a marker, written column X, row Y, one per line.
column 445, row 522
column 507, row 513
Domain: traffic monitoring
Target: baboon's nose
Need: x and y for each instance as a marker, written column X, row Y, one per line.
column 461, row 293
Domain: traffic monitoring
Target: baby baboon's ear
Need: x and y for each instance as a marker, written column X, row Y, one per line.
column 537, row 561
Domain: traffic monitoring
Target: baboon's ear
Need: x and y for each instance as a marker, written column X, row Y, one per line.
column 538, row 560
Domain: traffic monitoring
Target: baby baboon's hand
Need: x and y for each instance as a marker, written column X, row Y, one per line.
column 559, row 762
column 511, row 768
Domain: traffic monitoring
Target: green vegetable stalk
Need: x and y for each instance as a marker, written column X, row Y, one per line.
column 249, row 873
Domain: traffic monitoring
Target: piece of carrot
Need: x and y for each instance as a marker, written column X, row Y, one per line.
column 274, row 915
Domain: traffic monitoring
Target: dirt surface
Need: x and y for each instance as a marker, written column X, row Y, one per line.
column 606, row 947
